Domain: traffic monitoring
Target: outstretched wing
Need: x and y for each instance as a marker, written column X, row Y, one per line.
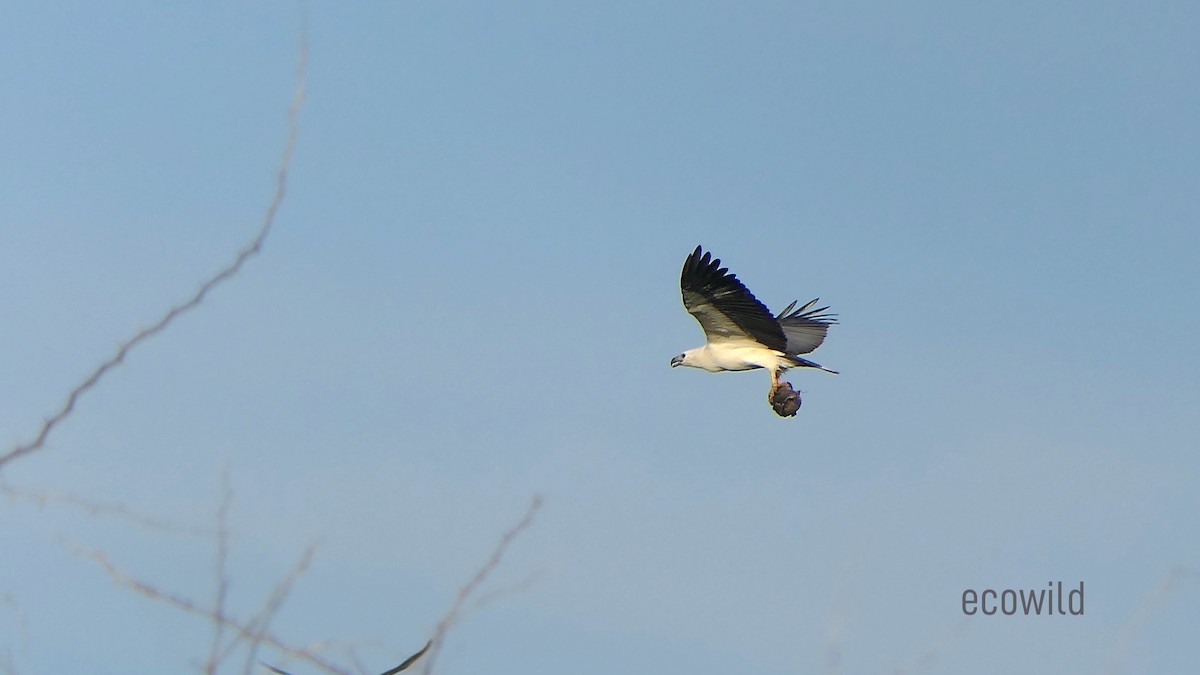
column 726, row 310
column 805, row 328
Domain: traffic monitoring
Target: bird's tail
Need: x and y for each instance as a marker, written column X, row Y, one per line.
column 798, row 362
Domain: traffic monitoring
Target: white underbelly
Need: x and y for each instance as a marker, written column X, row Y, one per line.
column 744, row 358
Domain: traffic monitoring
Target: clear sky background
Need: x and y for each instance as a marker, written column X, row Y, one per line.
column 471, row 297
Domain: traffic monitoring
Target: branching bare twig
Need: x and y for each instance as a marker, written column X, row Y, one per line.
column 262, row 621
column 42, row 499
column 934, row 651
column 488, row 598
column 221, row 543
column 451, row 617
column 254, row 632
column 18, row 618
column 403, row 666
column 833, row 641
column 224, row 274
column 1149, row 603
column 245, row 631
column 841, row 612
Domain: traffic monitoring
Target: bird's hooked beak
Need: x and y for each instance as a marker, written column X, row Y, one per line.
column 677, row 361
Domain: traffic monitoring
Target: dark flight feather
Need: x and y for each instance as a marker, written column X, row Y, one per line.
column 725, row 308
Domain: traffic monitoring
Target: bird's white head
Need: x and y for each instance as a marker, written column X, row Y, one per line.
column 687, row 358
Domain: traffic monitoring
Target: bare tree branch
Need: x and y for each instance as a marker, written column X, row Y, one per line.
column 42, row 499
column 221, row 543
column 18, row 618
column 262, row 621
column 1149, row 603
column 245, row 631
column 512, row 589
column 833, row 641
column 223, row 275
column 934, row 651
column 451, row 617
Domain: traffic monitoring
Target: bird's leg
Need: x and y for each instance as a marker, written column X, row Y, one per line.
column 774, row 379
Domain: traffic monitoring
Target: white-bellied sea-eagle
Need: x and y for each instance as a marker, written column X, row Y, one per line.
column 741, row 332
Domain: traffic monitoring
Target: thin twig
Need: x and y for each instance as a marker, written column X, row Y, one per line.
column 115, row 509
column 934, row 651
column 1149, row 603
column 403, row 666
column 448, row 621
column 18, row 618
column 520, row 586
column 833, row 640
column 224, row 274
column 840, row 615
column 244, row 631
column 221, row 543
column 262, row 621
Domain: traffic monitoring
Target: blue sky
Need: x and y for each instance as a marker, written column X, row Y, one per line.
column 471, row 297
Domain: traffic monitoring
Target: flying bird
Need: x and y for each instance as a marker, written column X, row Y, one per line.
column 741, row 332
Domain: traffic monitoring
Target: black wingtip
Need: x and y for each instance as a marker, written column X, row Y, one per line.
column 698, row 260
column 704, row 259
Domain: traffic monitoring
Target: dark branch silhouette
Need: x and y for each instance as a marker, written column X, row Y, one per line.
column 409, row 661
